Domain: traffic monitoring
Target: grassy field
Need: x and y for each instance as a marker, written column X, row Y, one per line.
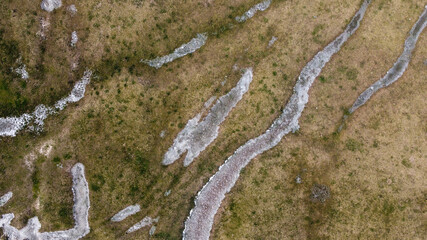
column 374, row 167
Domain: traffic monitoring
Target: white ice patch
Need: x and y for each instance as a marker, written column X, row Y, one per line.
column 399, row 67
column 9, row 126
column 80, row 212
column 199, row 223
column 77, row 93
column 183, row 50
column 262, row 6
column 72, row 9
column 272, row 41
column 50, row 5
column 5, row 198
column 22, row 70
column 167, row 193
column 120, row 216
column 196, row 136
column 147, row 221
column 74, row 39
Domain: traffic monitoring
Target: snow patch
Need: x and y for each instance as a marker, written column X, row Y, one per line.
column 50, row 5
column 196, row 136
column 80, row 212
column 120, row 216
column 147, row 221
column 72, row 9
column 183, row 50
column 262, row 6
column 199, row 223
column 74, row 39
column 9, row 126
column 22, row 70
column 5, row 198
column 272, row 41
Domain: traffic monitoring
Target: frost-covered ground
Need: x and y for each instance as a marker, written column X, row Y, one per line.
column 10, row 126
column 199, row 223
column 399, row 66
column 183, row 50
column 196, row 136
column 80, row 212
column 262, row 6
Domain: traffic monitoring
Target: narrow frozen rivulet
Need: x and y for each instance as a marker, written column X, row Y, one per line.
column 262, row 6
column 9, row 126
column 50, row 5
column 126, row 212
column 5, row 198
column 183, row 50
column 147, row 221
column 399, row 67
column 196, row 136
column 199, row 223
column 80, row 212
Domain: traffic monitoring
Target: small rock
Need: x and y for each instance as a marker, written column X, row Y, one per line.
column 298, row 179
column 320, row 193
column 167, row 193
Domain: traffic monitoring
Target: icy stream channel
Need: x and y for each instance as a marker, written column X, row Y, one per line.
column 80, row 212
column 196, row 136
column 399, row 66
column 199, row 223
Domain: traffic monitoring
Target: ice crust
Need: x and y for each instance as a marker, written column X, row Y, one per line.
column 5, row 198
column 10, row 126
column 199, row 223
column 183, row 50
column 196, row 136
column 126, row 212
column 50, row 5
column 80, row 212
column 262, row 6
column 147, row 221
column 399, row 67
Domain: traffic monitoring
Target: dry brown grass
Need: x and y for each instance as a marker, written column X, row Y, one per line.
column 114, row 131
